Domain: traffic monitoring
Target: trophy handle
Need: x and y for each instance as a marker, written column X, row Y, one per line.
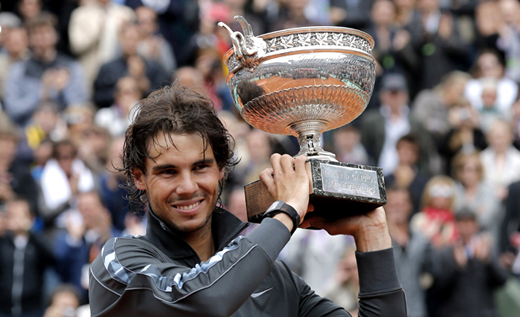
column 248, row 48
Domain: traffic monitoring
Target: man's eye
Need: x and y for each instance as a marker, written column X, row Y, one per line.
column 201, row 167
column 168, row 172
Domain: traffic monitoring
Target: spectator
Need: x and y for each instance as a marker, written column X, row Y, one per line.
column 29, row 9
column 410, row 249
column 466, row 273
column 464, row 135
column 352, row 14
column 178, row 23
column 148, row 74
column 64, row 302
column 152, row 45
column 17, row 49
column 488, row 23
column 15, row 178
column 293, row 16
column 190, row 77
column 436, row 39
column 406, row 12
column 23, row 260
column 48, row 75
column 407, row 174
column 490, row 64
column 393, row 52
column 343, row 288
column 209, row 63
column 475, row 193
column 111, row 190
column 501, row 160
column 116, row 118
column 437, row 217
column 382, row 128
column 431, row 106
column 490, row 111
column 8, row 21
column 63, row 177
column 93, row 33
column 87, row 230
column 347, row 146
column 93, row 149
column 509, row 40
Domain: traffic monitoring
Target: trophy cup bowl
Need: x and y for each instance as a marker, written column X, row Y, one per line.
column 303, row 82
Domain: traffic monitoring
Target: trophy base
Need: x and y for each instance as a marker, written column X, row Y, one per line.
column 338, row 190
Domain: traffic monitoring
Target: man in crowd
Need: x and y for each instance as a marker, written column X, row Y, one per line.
column 191, row 260
column 47, row 75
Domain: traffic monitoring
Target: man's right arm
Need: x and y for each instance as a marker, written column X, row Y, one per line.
column 132, row 278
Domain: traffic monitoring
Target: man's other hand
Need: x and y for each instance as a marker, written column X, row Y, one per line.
column 370, row 230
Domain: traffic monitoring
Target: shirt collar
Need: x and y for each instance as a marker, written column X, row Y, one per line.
column 224, row 225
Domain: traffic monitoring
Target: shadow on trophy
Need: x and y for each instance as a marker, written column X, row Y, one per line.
column 303, row 82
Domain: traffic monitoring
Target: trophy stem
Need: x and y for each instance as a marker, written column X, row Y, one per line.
column 309, row 136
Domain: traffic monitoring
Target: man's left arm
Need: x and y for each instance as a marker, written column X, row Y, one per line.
column 380, row 290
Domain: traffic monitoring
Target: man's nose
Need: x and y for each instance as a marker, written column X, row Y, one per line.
column 187, row 184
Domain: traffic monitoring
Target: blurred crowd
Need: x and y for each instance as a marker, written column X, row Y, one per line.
column 443, row 122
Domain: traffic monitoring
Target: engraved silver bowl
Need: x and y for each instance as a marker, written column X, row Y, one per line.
column 301, row 81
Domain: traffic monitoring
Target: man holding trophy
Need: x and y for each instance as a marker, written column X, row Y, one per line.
column 192, row 261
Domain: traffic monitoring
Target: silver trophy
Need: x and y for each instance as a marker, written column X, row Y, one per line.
column 303, row 82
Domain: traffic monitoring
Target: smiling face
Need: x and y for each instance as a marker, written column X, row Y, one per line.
column 182, row 182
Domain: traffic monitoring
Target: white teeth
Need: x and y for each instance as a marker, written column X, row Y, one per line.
column 188, row 207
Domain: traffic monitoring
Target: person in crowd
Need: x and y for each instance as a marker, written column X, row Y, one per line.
column 406, row 12
column 29, row 9
column 490, row 112
column 474, row 192
column 111, row 185
column 466, row 273
column 64, row 302
column 87, row 229
column 410, row 249
column 343, row 288
column 501, row 159
column 509, row 40
column 510, row 226
column 293, row 16
column 353, row 14
column 15, row 177
column 393, row 52
column 47, row 75
column 489, row 64
column 382, row 128
column 209, row 63
column 347, row 146
column 63, row 177
column 190, row 77
column 436, row 220
column 436, row 39
column 116, row 118
column 149, row 74
column 431, row 106
column 17, row 49
column 488, row 24
column 24, row 256
column 188, row 231
column 464, row 135
column 8, row 21
column 93, row 31
column 178, row 23
column 153, row 46
column 407, row 174
column 93, row 149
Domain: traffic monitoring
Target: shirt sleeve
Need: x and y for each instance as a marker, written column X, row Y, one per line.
column 380, row 292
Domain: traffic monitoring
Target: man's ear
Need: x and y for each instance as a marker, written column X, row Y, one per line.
column 139, row 179
column 221, row 173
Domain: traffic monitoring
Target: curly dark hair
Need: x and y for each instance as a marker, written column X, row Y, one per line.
column 173, row 109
